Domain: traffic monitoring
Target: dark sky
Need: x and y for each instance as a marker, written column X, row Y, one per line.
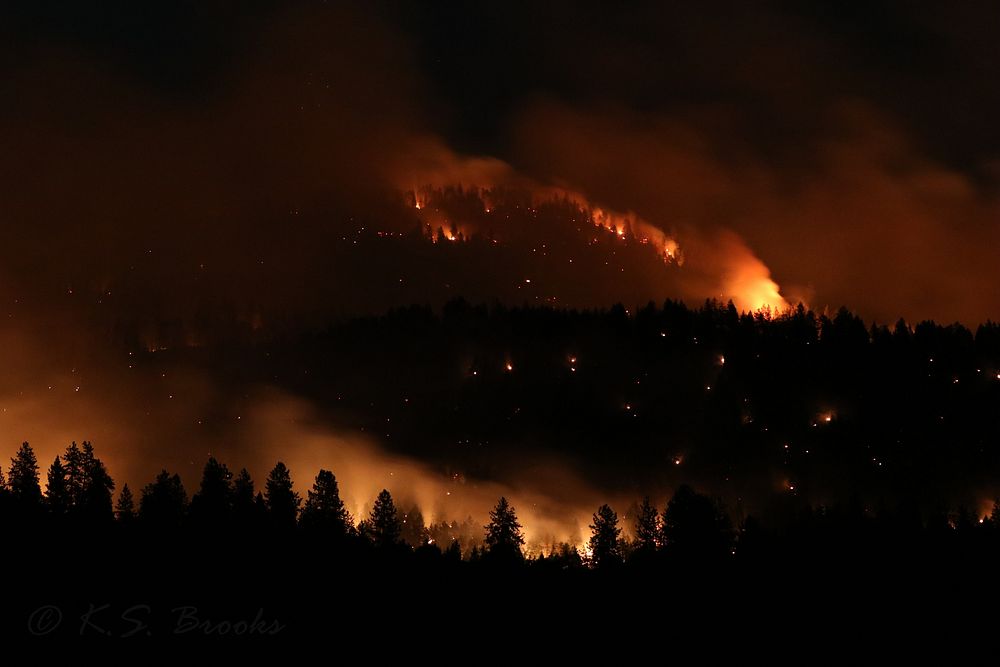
column 168, row 165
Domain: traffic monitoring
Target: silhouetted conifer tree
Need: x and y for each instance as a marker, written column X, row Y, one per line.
column 647, row 526
column 383, row 525
column 248, row 510
column 324, row 512
column 97, row 487
column 125, row 507
column 604, row 547
column 75, row 474
column 212, row 505
column 282, row 502
column 243, row 493
column 503, row 533
column 22, row 479
column 164, row 502
column 57, row 498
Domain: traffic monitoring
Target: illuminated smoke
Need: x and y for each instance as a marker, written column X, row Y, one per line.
column 745, row 278
column 723, row 267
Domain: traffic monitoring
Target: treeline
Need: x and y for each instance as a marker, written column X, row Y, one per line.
column 743, row 405
column 691, row 528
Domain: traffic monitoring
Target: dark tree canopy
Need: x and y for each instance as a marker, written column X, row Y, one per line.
column 604, row 544
column 23, row 478
column 97, row 487
column 76, row 476
column 243, row 492
column 57, row 498
column 89, row 487
column 125, row 507
column 324, row 512
column 164, row 502
column 503, row 533
column 383, row 526
column 647, row 526
column 695, row 525
column 282, row 502
column 415, row 531
column 212, row 504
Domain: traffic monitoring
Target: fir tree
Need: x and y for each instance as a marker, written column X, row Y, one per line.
column 384, row 527
column 604, row 547
column 324, row 511
column 57, row 498
column 211, row 506
column 647, row 526
column 23, row 478
column 164, row 502
column 282, row 502
column 503, row 533
column 97, row 487
column 125, row 507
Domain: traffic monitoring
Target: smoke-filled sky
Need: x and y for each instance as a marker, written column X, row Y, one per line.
column 165, row 162
column 852, row 148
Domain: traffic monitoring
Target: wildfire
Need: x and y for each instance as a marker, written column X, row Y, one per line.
column 737, row 273
column 745, row 278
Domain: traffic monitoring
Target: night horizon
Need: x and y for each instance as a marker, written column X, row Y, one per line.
column 567, row 295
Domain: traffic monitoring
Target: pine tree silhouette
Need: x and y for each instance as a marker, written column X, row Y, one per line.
column 647, row 526
column 243, row 493
column 249, row 511
column 211, row 506
column 604, row 547
column 503, row 533
column 324, row 512
column 57, row 498
column 97, row 487
column 383, row 525
column 22, row 480
column 282, row 502
column 125, row 507
column 164, row 502
column 75, row 474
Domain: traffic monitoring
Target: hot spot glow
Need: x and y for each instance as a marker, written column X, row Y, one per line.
column 745, row 278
